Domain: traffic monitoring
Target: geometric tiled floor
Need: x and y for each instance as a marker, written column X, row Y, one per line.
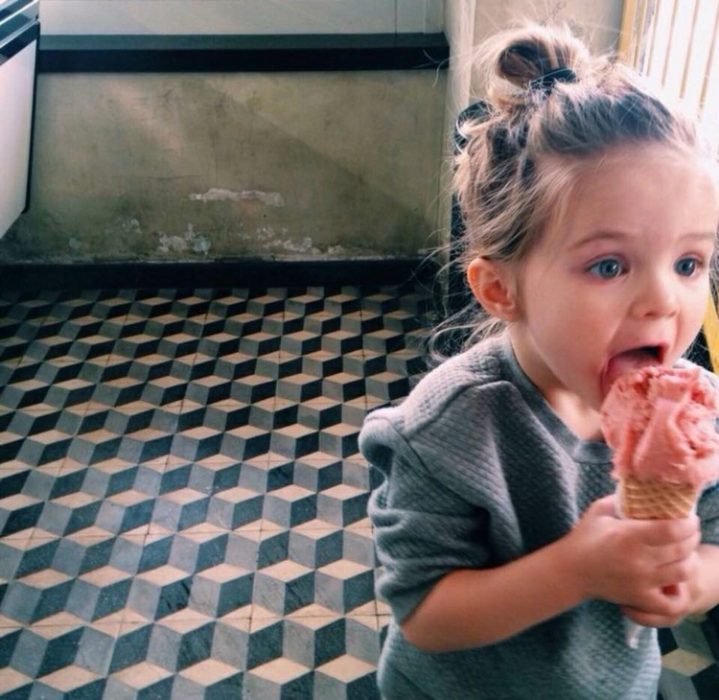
column 182, row 503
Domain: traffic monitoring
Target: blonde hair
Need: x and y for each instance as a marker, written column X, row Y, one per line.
column 551, row 108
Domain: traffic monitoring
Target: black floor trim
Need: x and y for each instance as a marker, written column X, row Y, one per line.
column 213, row 53
column 251, row 272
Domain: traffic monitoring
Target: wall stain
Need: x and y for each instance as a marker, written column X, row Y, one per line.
column 216, row 194
column 190, row 240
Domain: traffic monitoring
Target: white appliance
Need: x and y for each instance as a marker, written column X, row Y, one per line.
column 19, row 33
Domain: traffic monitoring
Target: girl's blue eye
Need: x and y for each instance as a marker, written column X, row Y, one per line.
column 607, row 268
column 686, row 266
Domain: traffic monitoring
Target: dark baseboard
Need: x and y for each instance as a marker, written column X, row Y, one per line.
column 254, row 273
column 228, row 53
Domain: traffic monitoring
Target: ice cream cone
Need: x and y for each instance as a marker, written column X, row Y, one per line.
column 652, row 500
column 655, row 500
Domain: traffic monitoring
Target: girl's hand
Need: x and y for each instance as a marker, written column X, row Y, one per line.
column 630, row 562
column 679, row 600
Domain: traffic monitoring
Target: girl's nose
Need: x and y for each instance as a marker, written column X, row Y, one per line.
column 656, row 296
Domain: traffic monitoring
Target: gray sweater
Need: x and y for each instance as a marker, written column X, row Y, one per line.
column 478, row 471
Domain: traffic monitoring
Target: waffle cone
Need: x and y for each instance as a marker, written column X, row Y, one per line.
column 655, row 500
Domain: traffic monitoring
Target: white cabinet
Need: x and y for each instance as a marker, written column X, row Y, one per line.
column 18, row 47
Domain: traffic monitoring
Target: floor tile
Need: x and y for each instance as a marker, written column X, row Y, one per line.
column 183, row 503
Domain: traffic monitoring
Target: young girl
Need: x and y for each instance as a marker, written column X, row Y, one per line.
column 591, row 215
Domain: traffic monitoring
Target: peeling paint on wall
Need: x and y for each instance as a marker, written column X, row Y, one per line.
column 216, row 194
column 123, row 227
column 281, row 242
column 188, row 241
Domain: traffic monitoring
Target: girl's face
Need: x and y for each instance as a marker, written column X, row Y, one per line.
column 619, row 280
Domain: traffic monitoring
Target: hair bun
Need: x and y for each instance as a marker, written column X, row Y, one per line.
column 532, row 57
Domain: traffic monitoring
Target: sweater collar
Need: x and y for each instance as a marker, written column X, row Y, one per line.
column 589, row 451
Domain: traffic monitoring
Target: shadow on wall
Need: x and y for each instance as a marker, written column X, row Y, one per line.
column 176, row 167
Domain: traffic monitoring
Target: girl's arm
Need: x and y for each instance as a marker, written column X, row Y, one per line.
column 475, row 607
column 625, row 561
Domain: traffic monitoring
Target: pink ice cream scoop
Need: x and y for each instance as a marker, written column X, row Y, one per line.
column 660, row 421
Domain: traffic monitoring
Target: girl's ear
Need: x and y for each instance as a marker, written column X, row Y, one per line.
column 491, row 284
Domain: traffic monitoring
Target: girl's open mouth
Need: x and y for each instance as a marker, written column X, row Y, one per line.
column 630, row 360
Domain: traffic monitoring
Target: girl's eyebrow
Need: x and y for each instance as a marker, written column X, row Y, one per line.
column 611, row 235
column 602, row 235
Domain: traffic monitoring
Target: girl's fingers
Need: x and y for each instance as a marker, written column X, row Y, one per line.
column 677, row 552
column 677, row 572
column 605, row 506
column 664, row 608
column 660, row 533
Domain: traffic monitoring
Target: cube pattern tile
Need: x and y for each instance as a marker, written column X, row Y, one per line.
column 182, row 501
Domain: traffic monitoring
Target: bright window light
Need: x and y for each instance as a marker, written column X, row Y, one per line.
column 674, row 43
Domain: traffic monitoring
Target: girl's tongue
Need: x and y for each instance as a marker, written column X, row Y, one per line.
column 627, row 362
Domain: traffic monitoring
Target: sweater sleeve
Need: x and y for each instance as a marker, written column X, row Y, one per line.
column 708, row 505
column 422, row 529
column 708, row 511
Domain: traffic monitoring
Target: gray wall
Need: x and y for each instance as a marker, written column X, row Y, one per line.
column 176, row 167
column 240, row 16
